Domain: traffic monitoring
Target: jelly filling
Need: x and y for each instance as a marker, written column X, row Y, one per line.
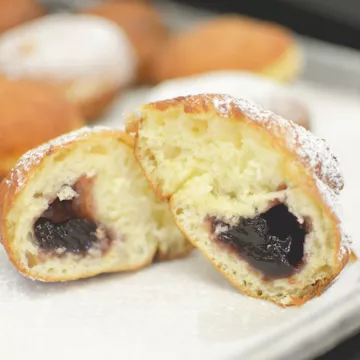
column 61, row 228
column 75, row 235
column 272, row 242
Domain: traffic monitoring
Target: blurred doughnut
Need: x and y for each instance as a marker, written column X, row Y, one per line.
column 143, row 25
column 16, row 12
column 289, row 107
column 272, row 95
column 230, row 42
column 31, row 113
column 89, row 58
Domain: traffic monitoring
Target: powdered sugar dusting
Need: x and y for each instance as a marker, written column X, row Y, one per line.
column 313, row 152
column 223, row 105
column 58, row 39
column 333, row 201
column 32, row 158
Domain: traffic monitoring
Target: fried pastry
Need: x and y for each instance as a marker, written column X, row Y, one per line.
column 88, row 58
column 31, row 113
column 79, row 206
column 16, row 12
column 230, row 42
column 257, row 194
column 144, row 27
column 275, row 96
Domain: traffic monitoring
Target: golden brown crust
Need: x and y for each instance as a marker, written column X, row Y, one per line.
column 227, row 42
column 12, row 186
column 316, row 289
column 29, row 107
column 172, row 255
column 19, row 176
column 69, row 277
column 321, row 176
column 7, row 163
column 143, row 25
column 312, row 152
column 92, row 108
column 158, row 256
column 16, row 12
column 353, row 257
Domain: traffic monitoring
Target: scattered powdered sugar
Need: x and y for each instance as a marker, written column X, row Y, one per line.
column 333, row 201
column 223, row 105
column 32, row 158
column 318, row 156
column 313, row 151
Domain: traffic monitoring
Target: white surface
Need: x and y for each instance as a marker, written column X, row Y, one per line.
column 178, row 310
column 185, row 309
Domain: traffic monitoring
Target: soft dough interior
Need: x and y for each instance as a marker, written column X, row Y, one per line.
column 122, row 201
column 215, row 167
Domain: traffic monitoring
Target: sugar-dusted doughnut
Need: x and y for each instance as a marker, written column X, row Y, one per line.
column 143, row 25
column 79, row 206
column 280, row 98
column 257, row 194
column 89, row 58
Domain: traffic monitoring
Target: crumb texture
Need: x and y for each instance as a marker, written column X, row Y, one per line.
column 83, row 207
column 215, row 156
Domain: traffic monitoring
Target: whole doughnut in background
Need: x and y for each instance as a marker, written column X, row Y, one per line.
column 31, row 113
column 273, row 95
column 230, row 42
column 289, row 107
column 142, row 24
column 16, row 12
column 89, row 58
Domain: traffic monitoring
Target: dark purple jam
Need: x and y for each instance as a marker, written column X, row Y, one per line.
column 60, row 227
column 272, row 242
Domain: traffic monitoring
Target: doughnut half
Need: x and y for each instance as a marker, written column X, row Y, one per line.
column 257, row 194
column 79, row 206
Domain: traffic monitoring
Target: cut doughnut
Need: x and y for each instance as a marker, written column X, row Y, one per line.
column 79, row 206
column 257, row 194
column 275, row 96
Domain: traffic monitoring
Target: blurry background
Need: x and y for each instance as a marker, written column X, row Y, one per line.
column 330, row 20
column 329, row 32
